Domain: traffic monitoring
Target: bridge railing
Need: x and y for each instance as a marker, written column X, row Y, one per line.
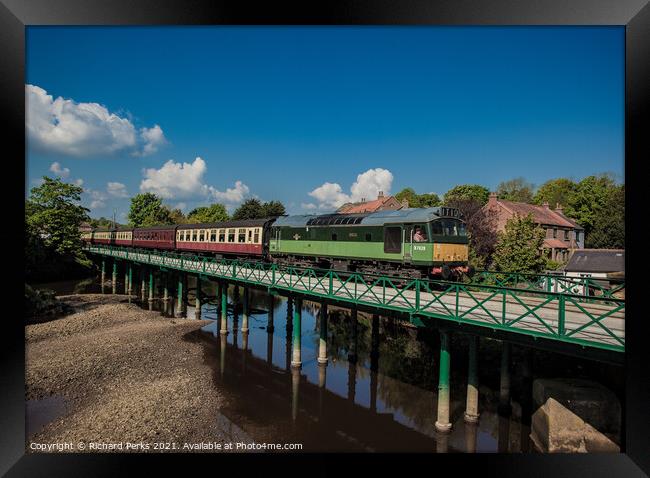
column 592, row 321
column 556, row 283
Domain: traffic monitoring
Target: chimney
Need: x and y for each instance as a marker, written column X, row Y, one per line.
column 363, row 199
column 405, row 203
column 380, row 195
column 545, row 205
column 492, row 200
column 559, row 208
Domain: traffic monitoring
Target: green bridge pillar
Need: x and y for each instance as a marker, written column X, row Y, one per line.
column 103, row 279
column 471, row 408
column 442, row 423
column 114, row 283
column 126, row 279
column 179, row 293
column 143, row 280
column 322, row 341
column 352, row 354
column 296, row 358
column 224, row 308
column 151, row 285
column 197, row 304
column 269, row 320
column 130, row 289
column 244, row 320
column 322, row 379
column 504, row 407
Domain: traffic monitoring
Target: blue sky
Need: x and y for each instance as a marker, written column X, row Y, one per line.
column 315, row 116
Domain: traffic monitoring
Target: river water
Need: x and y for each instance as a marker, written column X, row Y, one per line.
column 385, row 401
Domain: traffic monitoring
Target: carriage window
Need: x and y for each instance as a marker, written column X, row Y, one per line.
column 213, row 235
column 393, row 239
column 222, row 235
column 250, row 235
column 231, row 235
column 194, row 235
column 202, row 235
column 241, row 237
column 256, row 237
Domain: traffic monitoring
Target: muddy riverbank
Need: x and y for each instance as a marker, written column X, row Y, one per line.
column 117, row 373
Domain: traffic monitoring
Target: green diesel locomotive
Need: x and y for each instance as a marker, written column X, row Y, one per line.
column 409, row 242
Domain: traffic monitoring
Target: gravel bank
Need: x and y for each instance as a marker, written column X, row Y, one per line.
column 126, row 375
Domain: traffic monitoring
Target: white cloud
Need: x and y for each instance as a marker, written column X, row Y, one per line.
column 185, row 180
column 64, row 126
column 59, row 171
column 308, row 205
column 98, row 198
column 367, row 186
column 181, row 205
column 117, row 190
column 175, row 179
column 231, row 195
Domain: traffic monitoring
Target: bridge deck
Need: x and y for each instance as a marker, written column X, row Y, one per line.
column 586, row 321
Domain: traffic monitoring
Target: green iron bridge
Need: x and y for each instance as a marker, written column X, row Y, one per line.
column 514, row 305
column 540, row 311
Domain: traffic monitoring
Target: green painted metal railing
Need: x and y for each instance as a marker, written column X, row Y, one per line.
column 583, row 286
column 588, row 321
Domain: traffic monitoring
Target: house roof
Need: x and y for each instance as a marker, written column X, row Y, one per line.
column 597, row 260
column 365, row 206
column 541, row 214
column 555, row 244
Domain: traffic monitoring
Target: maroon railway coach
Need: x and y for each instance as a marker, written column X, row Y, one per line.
column 124, row 237
column 229, row 238
column 103, row 235
column 155, row 237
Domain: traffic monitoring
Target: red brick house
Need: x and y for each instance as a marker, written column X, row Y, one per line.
column 382, row 203
column 563, row 234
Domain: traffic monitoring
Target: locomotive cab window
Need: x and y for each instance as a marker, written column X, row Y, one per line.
column 368, row 237
column 393, row 239
column 334, row 236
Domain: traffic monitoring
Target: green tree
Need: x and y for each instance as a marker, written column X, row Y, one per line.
column 429, row 200
column 177, row 216
column 255, row 209
column 518, row 248
column 249, row 209
column 556, row 191
column 418, row 200
column 608, row 230
column 273, row 208
column 591, row 196
column 54, row 214
column 517, row 190
column 468, row 191
column 213, row 213
column 147, row 210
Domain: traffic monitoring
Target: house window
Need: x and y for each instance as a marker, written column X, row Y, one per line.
column 566, row 235
column 555, row 233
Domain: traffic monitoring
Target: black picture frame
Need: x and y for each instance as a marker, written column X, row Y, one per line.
column 633, row 14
